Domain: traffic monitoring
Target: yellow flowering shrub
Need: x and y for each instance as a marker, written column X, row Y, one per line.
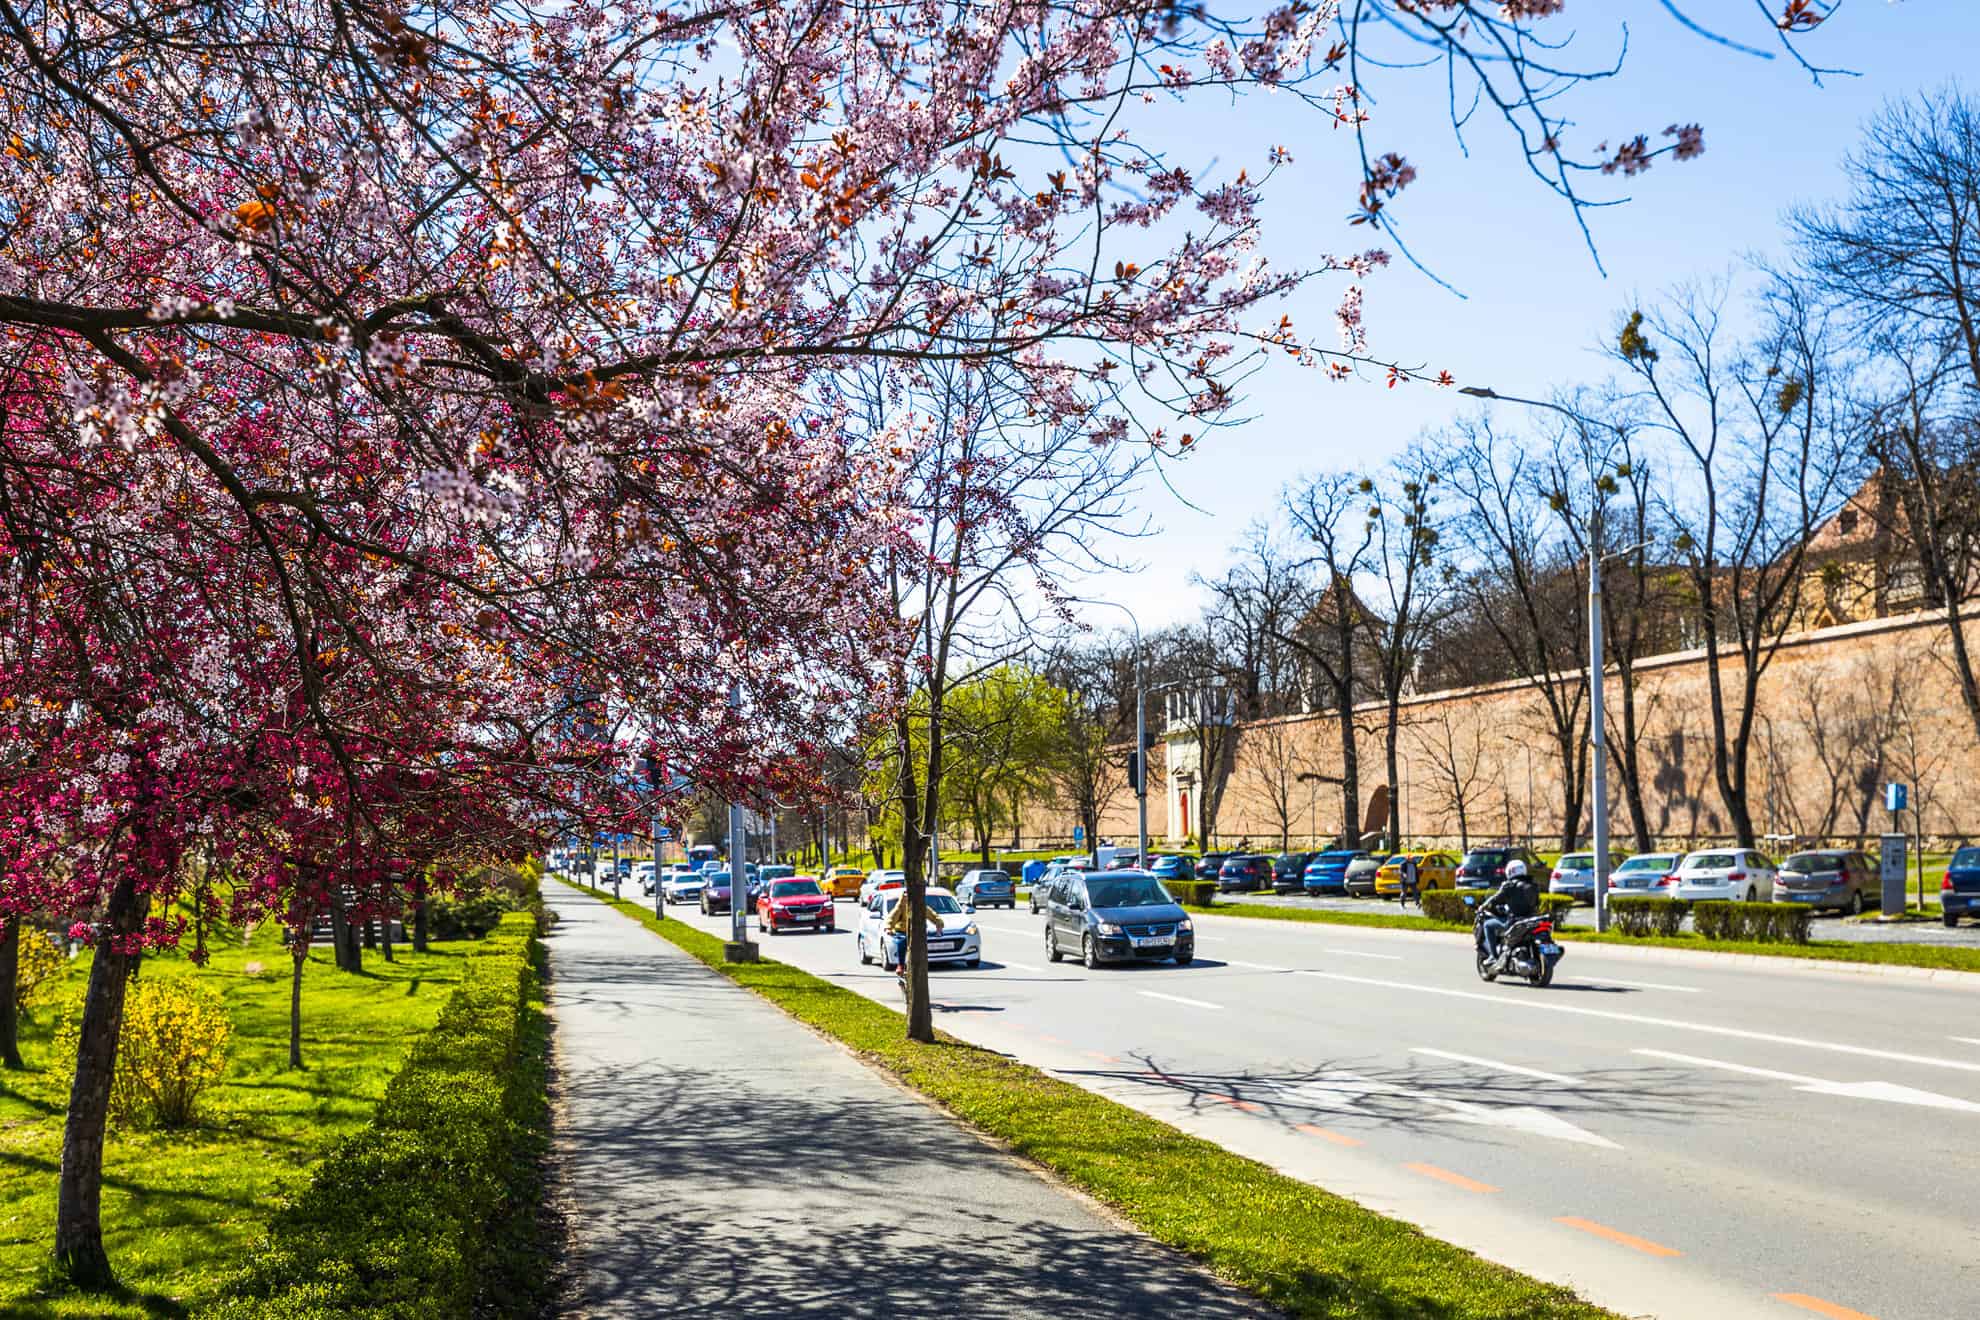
column 39, row 968
column 173, row 1047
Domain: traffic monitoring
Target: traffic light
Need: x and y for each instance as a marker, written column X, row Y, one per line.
column 1134, row 770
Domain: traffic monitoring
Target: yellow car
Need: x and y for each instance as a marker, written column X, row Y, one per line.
column 1434, row 870
column 844, row 881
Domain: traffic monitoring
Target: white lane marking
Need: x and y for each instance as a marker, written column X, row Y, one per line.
column 1019, row 967
column 1346, row 1091
column 1891, row 1091
column 1495, row 1064
column 1737, row 1033
column 1637, row 985
column 1178, row 999
column 1966, row 1040
column 1357, row 953
column 1255, row 967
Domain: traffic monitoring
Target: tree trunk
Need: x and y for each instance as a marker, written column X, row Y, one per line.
column 385, row 934
column 419, row 913
column 920, row 1019
column 298, row 955
column 1350, row 772
column 79, row 1253
column 1629, row 767
column 1390, row 735
column 10, row 975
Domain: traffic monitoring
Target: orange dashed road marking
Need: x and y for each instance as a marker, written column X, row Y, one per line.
column 1235, row 1103
column 1337, row 1138
column 1454, row 1179
column 1619, row 1237
column 1104, row 1058
column 1820, row 1307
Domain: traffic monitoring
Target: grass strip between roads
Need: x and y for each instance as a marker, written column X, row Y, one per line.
column 1937, row 956
column 1306, row 1250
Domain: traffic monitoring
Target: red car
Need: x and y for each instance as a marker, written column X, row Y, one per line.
column 799, row 903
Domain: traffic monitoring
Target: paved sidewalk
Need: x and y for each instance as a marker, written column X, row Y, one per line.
column 717, row 1158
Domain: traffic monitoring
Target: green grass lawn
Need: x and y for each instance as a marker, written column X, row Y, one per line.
column 180, row 1208
column 1314, row 1254
column 1943, row 957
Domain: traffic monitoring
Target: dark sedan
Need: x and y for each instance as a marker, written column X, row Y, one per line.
column 715, row 894
column 1116, row 916
column 1486, row 867
column 1210, row 863
column 1327, row 872
column 1289, row 871
column 1245, row 874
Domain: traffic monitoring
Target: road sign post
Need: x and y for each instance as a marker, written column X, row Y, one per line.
column 1891, row 873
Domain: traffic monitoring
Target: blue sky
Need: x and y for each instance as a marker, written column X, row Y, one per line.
column 1535, row 307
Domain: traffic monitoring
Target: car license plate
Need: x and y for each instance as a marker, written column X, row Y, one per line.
column 800, row 916
column 1153, row 941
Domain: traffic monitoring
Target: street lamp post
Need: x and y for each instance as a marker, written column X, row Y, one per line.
column 1597, row 665
column 1140, row 743
column 739, row 949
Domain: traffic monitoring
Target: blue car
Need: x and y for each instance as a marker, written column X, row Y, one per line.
column 987, row 888
column 1959, row 892
column 1327, row 873
column 1173, row 868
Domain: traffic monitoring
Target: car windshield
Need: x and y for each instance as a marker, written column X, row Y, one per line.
column 1576, row 862
column 716, row 877
column 1806, row 862
column 991, row 877
column 1712, row 862
column 1127, row 891
column 1966, row 857
column 794, row 889
column 1647, row 862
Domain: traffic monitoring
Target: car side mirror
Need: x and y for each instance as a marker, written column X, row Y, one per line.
column 970, row 907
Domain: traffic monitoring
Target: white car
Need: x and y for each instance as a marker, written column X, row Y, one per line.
column 642, row 875
column 1645, row 873
column 1740, row 874
column 683, row 886
column 874, row 879
column 959, row 940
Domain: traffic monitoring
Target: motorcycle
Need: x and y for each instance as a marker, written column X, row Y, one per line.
column 1526, row 949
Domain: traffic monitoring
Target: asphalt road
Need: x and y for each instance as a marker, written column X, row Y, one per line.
column 1674, row 1140
column 717, row 1158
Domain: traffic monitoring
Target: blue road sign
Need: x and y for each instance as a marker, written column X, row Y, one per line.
column 1079, row 834
column 1895, row 796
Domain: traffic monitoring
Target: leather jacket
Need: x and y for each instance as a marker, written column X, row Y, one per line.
column 1515, row 900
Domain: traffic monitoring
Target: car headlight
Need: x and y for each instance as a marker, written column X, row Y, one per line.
column 970, row 929
column 1185, row 925
column 1106, row 928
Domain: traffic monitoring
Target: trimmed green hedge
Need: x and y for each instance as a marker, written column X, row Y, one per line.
column 1192, row 893
column 1639, row 915
column 1759, row 923
column 432, row 1210
column 1449, row 907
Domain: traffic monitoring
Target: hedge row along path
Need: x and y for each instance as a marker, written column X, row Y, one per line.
column 692, row 1110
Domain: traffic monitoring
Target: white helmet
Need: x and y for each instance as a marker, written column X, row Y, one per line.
column 1515, row 869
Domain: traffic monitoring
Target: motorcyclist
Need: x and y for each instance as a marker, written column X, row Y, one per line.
column 1514, row 900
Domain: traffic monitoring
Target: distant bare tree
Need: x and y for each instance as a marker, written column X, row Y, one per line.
column 1523, row 587
column 1332, row 515
column 1274, row 757
column 1456, row 753
column 1410, row 594
column 1759, row 436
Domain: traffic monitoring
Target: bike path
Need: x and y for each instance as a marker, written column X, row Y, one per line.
column 717, row 1157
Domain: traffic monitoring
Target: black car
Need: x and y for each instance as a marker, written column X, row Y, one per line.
column 1289, row 871
column 1116, row 916
column 715, row 896
column 1485, row 868
column 1245, row 874
column 1209, row 864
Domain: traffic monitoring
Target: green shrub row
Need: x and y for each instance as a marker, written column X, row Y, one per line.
column 1640, row 915
column 1192, row 893
column 1449, row 906
column 1759, row 923
column 431, row 1210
